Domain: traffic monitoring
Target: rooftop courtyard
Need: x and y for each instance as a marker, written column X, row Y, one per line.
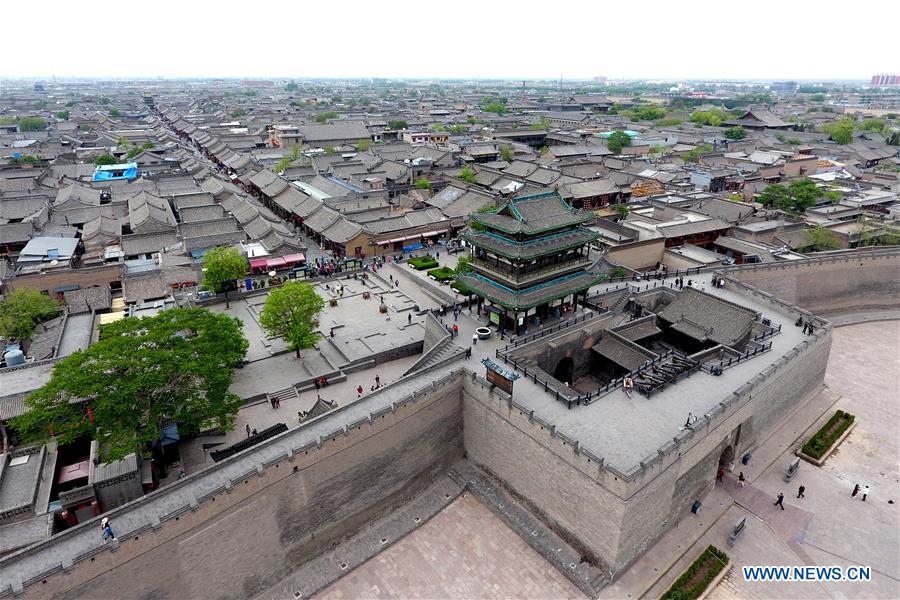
column 625, row 429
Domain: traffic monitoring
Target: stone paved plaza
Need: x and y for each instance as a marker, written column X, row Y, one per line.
column 463, row 552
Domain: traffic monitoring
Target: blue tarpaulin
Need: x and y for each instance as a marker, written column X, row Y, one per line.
column 120, row 171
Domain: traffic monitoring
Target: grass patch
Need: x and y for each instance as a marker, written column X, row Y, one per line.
column 442, row 274
column 818, row 444
column 420, row 263
column 698, row 576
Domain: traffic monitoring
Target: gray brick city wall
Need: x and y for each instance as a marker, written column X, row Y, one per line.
column 261, row 525
column 831, row 285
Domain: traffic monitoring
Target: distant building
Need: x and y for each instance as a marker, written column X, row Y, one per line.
column 886, row 80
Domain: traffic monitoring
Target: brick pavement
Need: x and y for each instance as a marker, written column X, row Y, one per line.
column 463, row 552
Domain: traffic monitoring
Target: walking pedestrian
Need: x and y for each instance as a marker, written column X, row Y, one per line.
column 359, row 391
column 474, row 338
column 855, row 491
column 468, row 352
column 248, row 435
column 800, row 492
column 409, row 318
column 331, row 333
column 272, row 401
column 780, row 501
column 720, row 476
column 741, row 479
column 106, row 530
column 865, row 492
column 455, row 330
column 377, row 381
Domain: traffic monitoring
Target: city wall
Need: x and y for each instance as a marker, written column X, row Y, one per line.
column 252, row 519
column 831, row 283
column 244, row 524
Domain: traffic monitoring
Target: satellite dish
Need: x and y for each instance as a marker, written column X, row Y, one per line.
column 54, row 262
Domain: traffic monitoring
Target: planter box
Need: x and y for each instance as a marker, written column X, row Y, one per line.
column 821, row 461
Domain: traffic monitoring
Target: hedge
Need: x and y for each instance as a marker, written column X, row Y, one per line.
column 461, row 288
column 688, row 587
column 421, row 263
column 818, row 444
column 442, row 274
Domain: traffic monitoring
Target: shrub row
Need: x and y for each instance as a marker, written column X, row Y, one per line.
column 689, row 586
column 421, row 263
column 818, row 444
column 442, row 274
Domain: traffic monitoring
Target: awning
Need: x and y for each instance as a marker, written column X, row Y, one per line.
column 258, row 263
column 294, row 258
column 393, row 241
column 276, row 262
column 169, row 434
column 73, row 472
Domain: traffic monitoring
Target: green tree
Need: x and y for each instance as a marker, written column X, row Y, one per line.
column 874, row 125
column 713, row 117
column 617, row 141
column 494, row 107
column 646, row 113
column 32, row 124
column 292, row 313
column 134, row 151
column 506, row 153
column 462, row 264
column 238, row 112
column 104, row 100
column 114, row 112
column 363, row 145
column 141, row 375
column 697, row 153
column 621, row 208
column 283, row 164
column 543, row 123
column 148, row 145
column 325, row 115
column 841, row 131
column 467, row 174
column 63, row 114
column 40, row 104
column 22, row 309
column 820, row 238
column 24, row 160
column 423, row 184
column 796, row 198
column 735, row 133
column 291, row 87
column 330, row 150
column 221, row 267
column 804, row 193
column 774, row 195
column 457, row 129
column 398, row 124
column 105, row 159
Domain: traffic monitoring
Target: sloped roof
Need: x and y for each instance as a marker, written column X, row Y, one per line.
column 705, row 317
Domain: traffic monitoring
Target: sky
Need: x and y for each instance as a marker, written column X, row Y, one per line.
column 526, row 39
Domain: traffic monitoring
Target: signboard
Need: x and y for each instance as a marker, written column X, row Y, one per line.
column 499, row 376
column 494, row 317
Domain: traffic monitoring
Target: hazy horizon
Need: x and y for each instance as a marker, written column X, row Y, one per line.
column 705, row 40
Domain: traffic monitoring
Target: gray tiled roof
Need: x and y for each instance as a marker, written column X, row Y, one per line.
column 707, row 318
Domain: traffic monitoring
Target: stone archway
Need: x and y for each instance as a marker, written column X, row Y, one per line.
column 565, row 370
column 726, row 459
